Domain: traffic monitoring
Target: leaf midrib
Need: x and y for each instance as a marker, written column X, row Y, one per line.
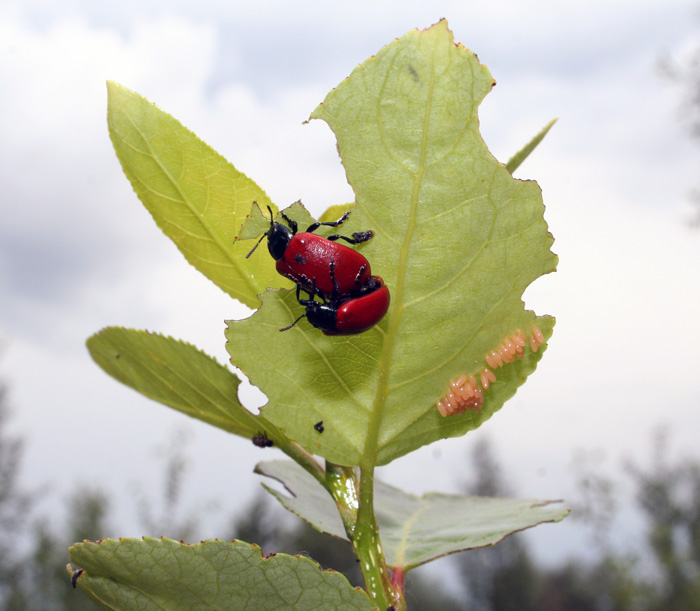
column 370, row 450
column 202, row 219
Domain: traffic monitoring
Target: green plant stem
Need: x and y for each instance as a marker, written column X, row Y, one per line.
column 369, row 550
column 343, row 485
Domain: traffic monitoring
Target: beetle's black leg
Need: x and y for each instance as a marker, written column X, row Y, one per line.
column 292, row 224
column 336, row 289
column 357, row 238
column 313, row 227
column 358, row 282
column 314, row 292
column 304, row 302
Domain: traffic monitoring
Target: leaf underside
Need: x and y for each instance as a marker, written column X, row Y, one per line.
column 414, row 530
column 134, row 574
column 178, row 375
column 457, row 240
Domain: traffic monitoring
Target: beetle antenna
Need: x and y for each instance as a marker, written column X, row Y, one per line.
column 256, row 245
column 294, row 323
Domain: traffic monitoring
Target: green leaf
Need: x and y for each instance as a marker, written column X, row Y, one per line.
column 195, row 196
column 335, row 212
column 258, row 223
column 176, row 374
column 414, row 530
column 457, row 241
column 515, row 161
column 132, row 574
column 309, row 500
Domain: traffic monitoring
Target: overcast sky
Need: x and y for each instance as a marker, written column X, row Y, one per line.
column 79, row 252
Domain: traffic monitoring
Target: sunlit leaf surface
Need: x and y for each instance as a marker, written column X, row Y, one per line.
column 196, row 197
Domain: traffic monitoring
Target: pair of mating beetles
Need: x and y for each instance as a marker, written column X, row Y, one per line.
column 352, row 299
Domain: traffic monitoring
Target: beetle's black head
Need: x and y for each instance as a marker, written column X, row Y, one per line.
column 374, row 283
column 278, row 238
column 322, row 315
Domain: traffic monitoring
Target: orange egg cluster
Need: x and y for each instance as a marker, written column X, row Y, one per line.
column 537, row 339
column 465, row 392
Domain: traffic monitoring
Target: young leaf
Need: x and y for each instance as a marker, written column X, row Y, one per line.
column 195, row 196
column 515, row 161
column 414, row 530
column 132, row 574
column 457, row 240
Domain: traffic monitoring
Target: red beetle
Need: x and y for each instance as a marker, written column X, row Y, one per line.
column 354, row 315
column 304, row 257
column 347, row 315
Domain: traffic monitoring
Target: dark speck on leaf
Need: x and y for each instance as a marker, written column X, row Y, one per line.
column 262, row 441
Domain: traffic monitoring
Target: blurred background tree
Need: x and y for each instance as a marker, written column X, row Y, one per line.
column 685, row 73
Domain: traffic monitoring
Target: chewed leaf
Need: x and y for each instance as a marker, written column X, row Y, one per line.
column 414, row 529
column 456, row 239
column 178, row 375
column 196, row 197
column 158, row 574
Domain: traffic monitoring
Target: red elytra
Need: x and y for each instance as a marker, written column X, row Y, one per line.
column 361, row 313
column 348, row 315
column 305, row 257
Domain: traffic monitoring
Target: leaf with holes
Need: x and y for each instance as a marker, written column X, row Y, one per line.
column 146, row 574
column 178, row 375
column 457, row 240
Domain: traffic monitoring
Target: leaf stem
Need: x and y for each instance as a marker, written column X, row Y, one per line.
column 304, row 460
